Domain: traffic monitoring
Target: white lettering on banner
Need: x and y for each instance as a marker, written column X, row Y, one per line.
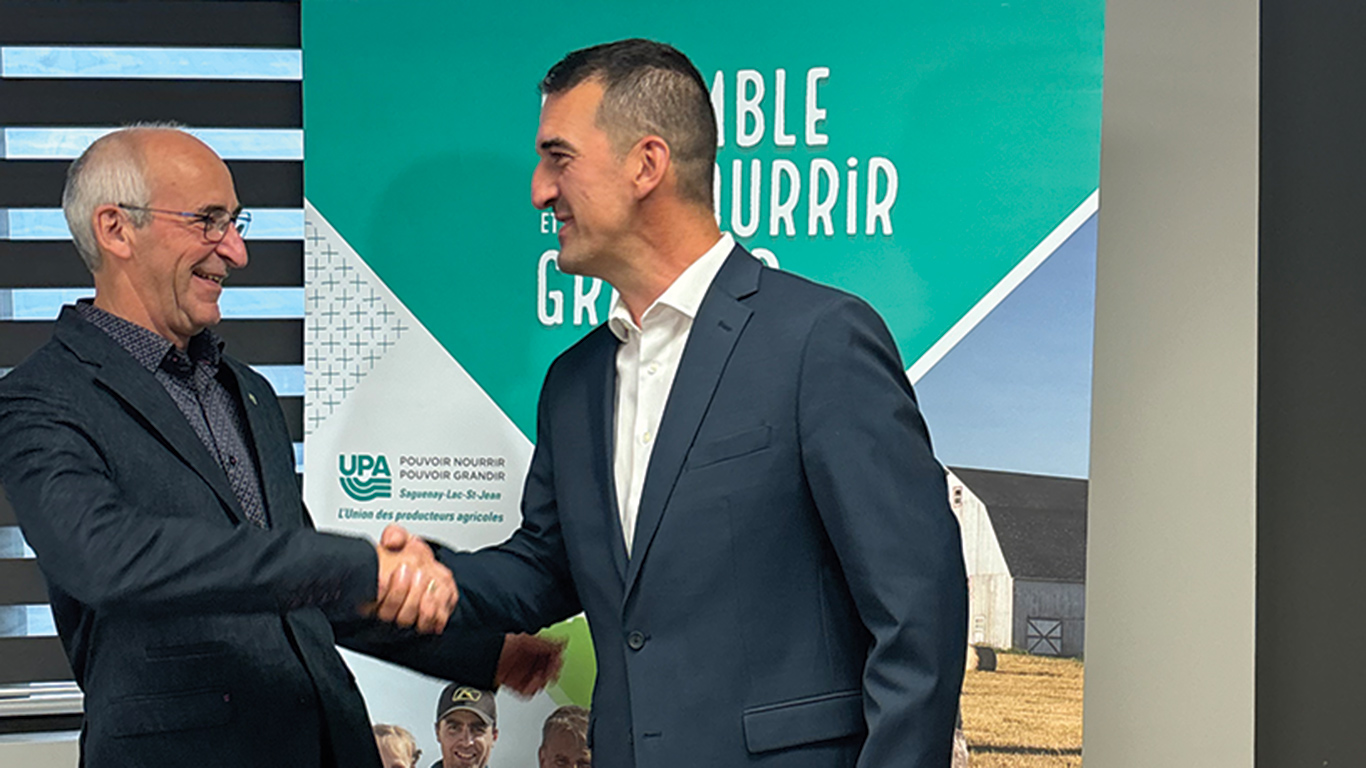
column 814, row 114
column 780, row 136
column 820, row 208
column 585, row 301
column 546, row 297
column 750, row 121
column 794, row 181
column 550, row 301
column 747, row 107
column 781, row 208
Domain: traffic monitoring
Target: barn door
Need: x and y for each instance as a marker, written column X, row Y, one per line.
column 1044, row 636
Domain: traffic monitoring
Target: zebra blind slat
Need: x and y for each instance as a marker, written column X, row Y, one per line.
column 54, row 264
column 33, row 660
column 257, row 342
column 259, row 183
column 207, row 103
column 21, row 583
column 166, row 22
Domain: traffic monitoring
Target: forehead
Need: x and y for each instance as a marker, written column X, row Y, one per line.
column 562, row 742
column 572, row 114
column 185, row 174
column 462, row 717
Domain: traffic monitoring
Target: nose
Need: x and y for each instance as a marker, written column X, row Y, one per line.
column 233, row 248
column 543, row 189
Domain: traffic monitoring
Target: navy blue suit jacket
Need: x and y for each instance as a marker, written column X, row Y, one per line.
column 796, row 593
column 196, row 638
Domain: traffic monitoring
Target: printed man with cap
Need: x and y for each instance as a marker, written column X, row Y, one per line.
column 466, row 726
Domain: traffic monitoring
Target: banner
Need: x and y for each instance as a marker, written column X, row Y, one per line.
column 928, row 157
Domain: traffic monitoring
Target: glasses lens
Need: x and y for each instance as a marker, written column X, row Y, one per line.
column 216, row 224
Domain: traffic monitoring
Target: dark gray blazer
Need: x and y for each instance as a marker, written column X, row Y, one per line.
column 796, row 595
column 196, row 638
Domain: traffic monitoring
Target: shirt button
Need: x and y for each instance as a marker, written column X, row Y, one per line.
column 635, row 641
column 232, row 460
column 647, row 437
column 653, row 369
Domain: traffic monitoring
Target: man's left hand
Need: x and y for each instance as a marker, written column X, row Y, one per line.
column 529, row 663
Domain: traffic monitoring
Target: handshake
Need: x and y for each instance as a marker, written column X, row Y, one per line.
column 415, row 590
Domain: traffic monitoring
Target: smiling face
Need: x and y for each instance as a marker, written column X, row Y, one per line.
column 466, row 740
column 175, row 272
column 583, row 179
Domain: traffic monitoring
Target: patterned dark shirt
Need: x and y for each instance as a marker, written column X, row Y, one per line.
column 203, row 390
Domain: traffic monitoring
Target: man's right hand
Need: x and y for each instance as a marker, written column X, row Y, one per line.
column 414, row 589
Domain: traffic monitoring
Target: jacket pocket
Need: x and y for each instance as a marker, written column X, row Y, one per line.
column 163, row 713
column 804, row 721
column 187, row 650
column 729, row 447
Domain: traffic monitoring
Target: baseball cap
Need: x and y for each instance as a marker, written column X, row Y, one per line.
column 456, row 696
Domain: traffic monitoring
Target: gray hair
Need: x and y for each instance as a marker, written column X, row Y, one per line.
column 568, row 719
column 110, row 171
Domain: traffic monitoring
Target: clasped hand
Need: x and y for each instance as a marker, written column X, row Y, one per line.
column 415, row 590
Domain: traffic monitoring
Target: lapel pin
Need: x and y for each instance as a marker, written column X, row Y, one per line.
column 252, row 398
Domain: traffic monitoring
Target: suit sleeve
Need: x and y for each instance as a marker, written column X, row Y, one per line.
column 882, row 498
column 97, row 548
column 523, row 584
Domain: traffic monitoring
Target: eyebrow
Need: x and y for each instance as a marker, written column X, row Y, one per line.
column 555, row 143
column 209, row 210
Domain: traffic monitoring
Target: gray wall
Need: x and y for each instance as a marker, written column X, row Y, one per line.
column 40, row 750
column 1170, row 580
column 1311, row 447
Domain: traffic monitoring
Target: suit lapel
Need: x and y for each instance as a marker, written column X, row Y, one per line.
column 277, row 472
column 118, row 372
column 601, row 410
column 720, row 320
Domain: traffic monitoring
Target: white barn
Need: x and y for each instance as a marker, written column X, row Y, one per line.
column 1024, row 540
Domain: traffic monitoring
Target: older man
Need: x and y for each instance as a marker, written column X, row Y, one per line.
column 731, row 476
column 154, row 477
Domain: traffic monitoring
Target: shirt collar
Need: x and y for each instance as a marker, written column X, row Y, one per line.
column 684, row 294
column 149, row 348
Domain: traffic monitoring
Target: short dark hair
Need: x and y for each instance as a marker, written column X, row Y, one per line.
column 649, row 88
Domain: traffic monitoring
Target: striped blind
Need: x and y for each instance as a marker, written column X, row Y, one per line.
column 232, row 73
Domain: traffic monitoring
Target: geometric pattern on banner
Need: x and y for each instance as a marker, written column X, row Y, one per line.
column 350, row 325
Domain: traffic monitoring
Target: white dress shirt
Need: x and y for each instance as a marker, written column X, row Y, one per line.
column 647, row 361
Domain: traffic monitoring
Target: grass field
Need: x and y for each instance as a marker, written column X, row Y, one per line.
column 1026, row 714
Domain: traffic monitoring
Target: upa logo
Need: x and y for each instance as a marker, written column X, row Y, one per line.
column 365, row 477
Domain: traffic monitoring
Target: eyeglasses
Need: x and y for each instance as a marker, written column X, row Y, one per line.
column 216, row 222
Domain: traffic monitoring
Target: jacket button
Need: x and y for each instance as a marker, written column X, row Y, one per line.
column 635, row 641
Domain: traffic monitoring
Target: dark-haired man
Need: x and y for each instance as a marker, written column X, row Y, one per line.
column 466, row 726
column 731, row 476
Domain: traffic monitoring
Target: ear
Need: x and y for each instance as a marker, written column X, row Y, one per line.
column 653, row 160
column 113, row 231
